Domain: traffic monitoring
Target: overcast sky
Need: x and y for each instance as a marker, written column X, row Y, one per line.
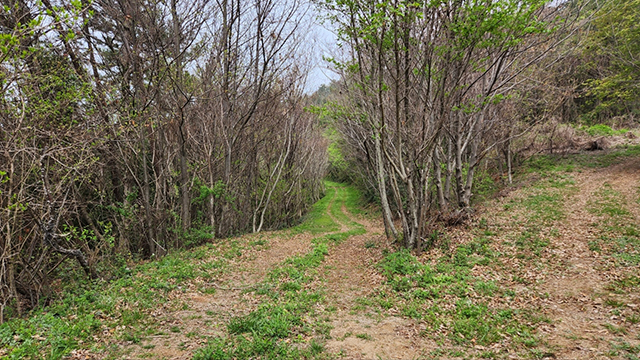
column 324, row 41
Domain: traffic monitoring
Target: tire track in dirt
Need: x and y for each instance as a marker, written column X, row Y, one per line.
column 350, row 274
column 206, row 315
column 576, row 293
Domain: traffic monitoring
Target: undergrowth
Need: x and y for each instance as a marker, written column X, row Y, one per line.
column 80, row 312
column 456, row 305
column 121, row 307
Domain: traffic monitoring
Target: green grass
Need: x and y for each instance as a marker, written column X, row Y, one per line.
column 625, row 350
column 624, row 284
column 124, row 305
column 618, row 232
column 458, row 307
column 542, row 205
column 318, row 220
column 82, row 309
column 462, row 310
column 616, row 330
column 423, row 291
column 608, row 203
column 602, row 130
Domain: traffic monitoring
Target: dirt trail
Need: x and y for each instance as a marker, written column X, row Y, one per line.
column 207, row 314
column 347, row 278
column 350, row 275
column 577, row 292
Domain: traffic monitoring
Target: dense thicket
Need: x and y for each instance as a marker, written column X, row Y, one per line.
column 137, row 126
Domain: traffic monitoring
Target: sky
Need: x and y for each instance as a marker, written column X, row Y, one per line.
column 324, row 45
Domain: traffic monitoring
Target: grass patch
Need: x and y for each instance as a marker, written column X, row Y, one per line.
column 621, row 286
column 616, row 330
column 624, row 349
column 318, row 220
column 81, row 310
column 543, row 206
column 425, row 291
column 619, row 234
column 602, row 130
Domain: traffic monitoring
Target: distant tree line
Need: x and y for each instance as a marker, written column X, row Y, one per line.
column 132, row 127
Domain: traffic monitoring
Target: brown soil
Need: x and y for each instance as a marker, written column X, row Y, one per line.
column 577, row 294
column 185, row 331
column 568, row 282
column 351, row 274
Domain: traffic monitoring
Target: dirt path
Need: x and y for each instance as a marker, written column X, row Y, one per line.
column 578, row 294
column 351, row 275
column 205, row 315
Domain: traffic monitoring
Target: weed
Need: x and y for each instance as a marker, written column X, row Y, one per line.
column 364, row 337
column 531, row 242
column 208, row 290
column 418, row 290
column 290, row 286
column 617, row 330
column 259, row 242
column 399, row 263
column 624, row 348
column 621, row 285
column 83, row 309
column 620, row 237
column 488, row 355
column 485, row 288
column 475, row 322
column 315, row 348
column 614, row 303
column 131, row 337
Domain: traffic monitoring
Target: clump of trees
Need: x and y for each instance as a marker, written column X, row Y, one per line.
column 606, row 65
column 428, row 89
column 132, row 127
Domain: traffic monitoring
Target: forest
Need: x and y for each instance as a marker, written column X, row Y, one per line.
column 151, row 148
